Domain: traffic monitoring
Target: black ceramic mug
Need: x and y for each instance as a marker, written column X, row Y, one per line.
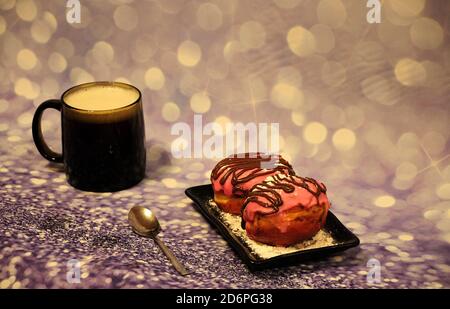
column 103, row 136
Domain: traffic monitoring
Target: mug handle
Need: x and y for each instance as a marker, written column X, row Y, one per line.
column 38, row 138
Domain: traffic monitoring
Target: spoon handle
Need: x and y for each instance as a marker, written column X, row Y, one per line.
column 173, row 259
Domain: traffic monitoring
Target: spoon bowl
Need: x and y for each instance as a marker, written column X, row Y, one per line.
column 143, row 221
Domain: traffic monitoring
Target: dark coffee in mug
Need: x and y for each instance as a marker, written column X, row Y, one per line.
column 102, row 133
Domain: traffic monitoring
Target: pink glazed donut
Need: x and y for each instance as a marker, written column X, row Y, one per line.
column 233, row 177
column 285, row 209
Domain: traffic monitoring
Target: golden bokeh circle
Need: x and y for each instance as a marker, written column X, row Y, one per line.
column 170, row 112
column 315, row 133
column 209, row 16
column 189, row 53
column 402, row 184
column 24, row 120
column 410, row 72
column 301, row 41
column 26, row 10
column 426, row 33
column 126, row 17
column 406, row 237
column 406, row 171
column 57, row 62
column 26, row 88
column 51, row 20
column 41, row 31
column 154, row 78
column 344, row 139
column 298, row 118
column 103, row 52
column 287, row 96
column 26, row 59
column 200, row 102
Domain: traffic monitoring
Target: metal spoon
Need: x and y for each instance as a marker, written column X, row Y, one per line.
column 145, row 223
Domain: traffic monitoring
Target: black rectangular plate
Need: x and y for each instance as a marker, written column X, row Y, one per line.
column 343, row 237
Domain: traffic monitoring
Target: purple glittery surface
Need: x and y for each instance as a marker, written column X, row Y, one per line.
column 44, row 223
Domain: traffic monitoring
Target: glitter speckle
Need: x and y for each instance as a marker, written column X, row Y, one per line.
column 384, row 201
column 406, row 237
column 38, row 181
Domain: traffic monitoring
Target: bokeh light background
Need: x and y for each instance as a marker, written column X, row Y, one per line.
column 363, row 107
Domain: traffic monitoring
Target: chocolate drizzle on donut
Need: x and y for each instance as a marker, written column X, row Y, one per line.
column 266, row 195
column 255, row 164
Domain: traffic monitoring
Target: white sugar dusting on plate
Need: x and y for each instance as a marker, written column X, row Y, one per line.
column 233, row 222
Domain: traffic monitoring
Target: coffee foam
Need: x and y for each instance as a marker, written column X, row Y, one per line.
column 101, row 97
